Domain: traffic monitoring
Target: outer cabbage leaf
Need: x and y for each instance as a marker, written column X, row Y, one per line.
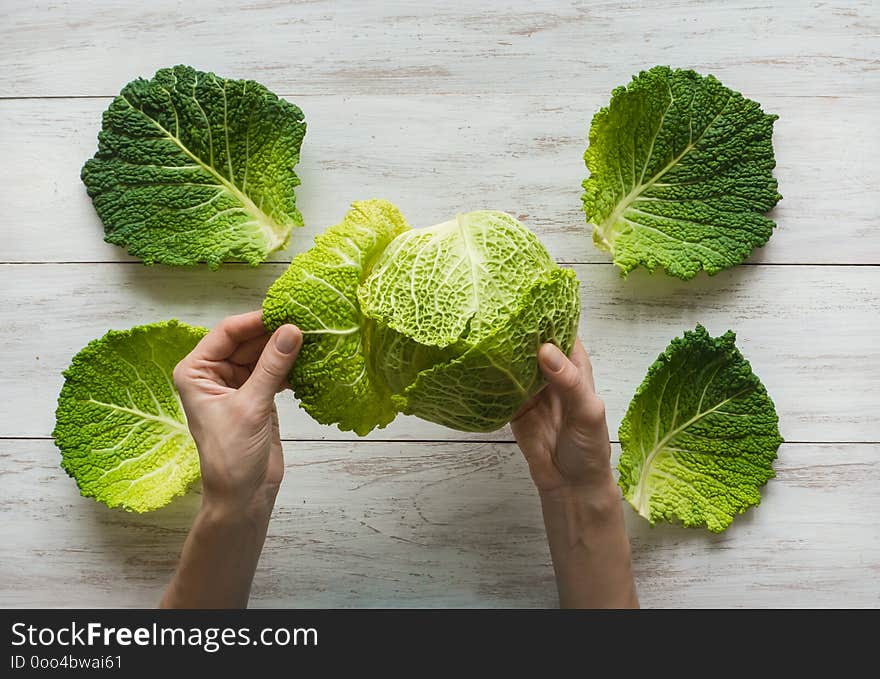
column 318, row 293
column 484, row 387
column 680, row 174
column 195, row 168
column 700, row 435
column 120, row 425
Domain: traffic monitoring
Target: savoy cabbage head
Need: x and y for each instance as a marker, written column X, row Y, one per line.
column 194, row 168
column 442, row 322
column 681, row 174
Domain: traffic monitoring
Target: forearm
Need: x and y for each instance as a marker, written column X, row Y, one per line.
column 589, row 547
column 219, row 559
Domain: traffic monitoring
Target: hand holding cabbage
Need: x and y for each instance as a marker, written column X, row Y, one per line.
column 443, row 322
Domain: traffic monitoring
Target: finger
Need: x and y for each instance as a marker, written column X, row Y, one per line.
column 573, row 381
column 581, row 359
column 247, row 354
column 567, row 377
column 274, row 365
column 199, row 374
column 228, row 334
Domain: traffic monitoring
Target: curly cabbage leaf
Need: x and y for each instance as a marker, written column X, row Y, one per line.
column 681, row 172
column 700, row 435
column 195, row 168
column 442, row 322
column 120, row 424
column 485, row 386
column 318, row 293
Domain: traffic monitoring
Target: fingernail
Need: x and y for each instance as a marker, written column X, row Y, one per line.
column 553, row 358
column 286, row 339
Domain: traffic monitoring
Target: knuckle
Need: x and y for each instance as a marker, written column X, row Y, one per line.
column 272, row 369
column 227, row 323
column 574, row 380
column 179, row 374
column 595, row 411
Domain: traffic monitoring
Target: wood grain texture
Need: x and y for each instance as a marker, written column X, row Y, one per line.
column 405, row 47
column 442, row 524
column 442, row 155
column 441, row 108
column 809, row 332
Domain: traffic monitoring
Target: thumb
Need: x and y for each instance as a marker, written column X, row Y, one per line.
column 561, row 372
column 275, row 363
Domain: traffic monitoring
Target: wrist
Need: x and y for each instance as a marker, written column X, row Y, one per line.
column 236, row 511
column 580, row 515
column 581, row 506
column 219, row 556
column 589, row 547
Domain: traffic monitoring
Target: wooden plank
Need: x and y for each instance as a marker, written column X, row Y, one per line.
column 443, row 524
column 445, row 108
column 809, row 331
column 444, row 155
column 522, row 47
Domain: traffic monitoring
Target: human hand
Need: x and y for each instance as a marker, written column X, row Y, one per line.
column 227, row 385
column 562, row 430
column 564, row 437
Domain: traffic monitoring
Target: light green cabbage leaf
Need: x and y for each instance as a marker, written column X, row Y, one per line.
column 194, row 168
column 700, row 435
column 681, row 172
column 120, row 424
column 442, row 322
column 318, row 293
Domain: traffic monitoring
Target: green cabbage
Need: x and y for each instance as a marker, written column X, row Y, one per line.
column 443, row 322
column 195, row 168
column 681, row 172
column 700, row 436
column 120, row 425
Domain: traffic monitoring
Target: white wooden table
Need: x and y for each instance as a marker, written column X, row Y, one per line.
column 441, row 108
